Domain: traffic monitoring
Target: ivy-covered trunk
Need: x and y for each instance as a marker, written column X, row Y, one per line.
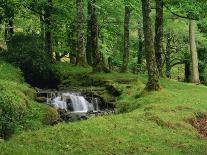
column 89, row 39
column 9, row 22
column 159, row 34
column 153, row 75
column 98, row 62
column 126, row 39
column 81, row 54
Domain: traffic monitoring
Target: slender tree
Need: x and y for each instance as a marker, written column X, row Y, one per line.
column 48, row 31
column 98, row 62
column 140, row 47
column 195, row 72
column 126, row 38
column 153, row 75
column 89, row 41
column 81, row 54
column 159, row 34
column 9, row 20
column 168, row 56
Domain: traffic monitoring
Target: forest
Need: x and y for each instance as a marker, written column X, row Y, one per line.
column 103, row 77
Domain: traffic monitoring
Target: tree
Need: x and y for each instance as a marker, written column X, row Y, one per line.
column 159, row 34
column 81, row 54
column 126, row 39
column 48, row 33
column 167, row 56
column 98, row 64
column 153, row 75
column 89, row 41
column 195, row 72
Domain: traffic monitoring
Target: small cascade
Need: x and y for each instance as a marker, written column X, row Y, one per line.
column 74, row 102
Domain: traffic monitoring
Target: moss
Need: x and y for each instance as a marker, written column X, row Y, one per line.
column 18, row 110
column 51, row 117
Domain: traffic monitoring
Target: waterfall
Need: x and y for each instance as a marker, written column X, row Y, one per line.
column 74, row 102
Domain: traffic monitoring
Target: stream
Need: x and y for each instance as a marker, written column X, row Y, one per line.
column 74, row 106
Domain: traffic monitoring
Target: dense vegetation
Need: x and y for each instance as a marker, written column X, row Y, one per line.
column 145, row 58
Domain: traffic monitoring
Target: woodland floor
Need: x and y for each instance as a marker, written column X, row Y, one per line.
column 172, row 121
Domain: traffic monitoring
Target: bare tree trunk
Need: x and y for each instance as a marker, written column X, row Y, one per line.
column 153, row 75
column 81, row 54
column 187, row 71
column 159, row 34
column 167, row 56
column 126, row 39
column 140, row 49
column 195, row 73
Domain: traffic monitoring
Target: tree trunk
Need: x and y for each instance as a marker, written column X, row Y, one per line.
column 81, row 55
column 98, row 62
column 9, row 27
column 72, row 43
column 140, row 49
column 159, row 34
column 42, row 26
column 89, row 40
column 126, row 39
column 153, row 75
column 167, row 56
column 48, row 33
column 187, row 71
column 195, row 72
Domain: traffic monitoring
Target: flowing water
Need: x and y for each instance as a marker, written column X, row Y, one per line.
column 74, row 102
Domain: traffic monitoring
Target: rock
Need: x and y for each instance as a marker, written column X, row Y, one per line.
column 41, row 99
column 112, row 90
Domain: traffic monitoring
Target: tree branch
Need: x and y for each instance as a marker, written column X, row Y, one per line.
column 180, row 16
column 33, row 10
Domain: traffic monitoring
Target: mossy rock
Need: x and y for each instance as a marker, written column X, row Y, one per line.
column 51, row 117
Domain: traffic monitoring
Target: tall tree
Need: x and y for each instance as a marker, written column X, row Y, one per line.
column 81, row 54
column 89, row 41
column 195, row 72
column 126, row 38
column 153, row 75
column 8, row 7
column 159, row 34
column 48, row 27
column 98, row 63
column 167, row 56
column 140, row 47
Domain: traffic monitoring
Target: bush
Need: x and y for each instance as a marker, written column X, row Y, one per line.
column 12, row 112
column 51, row 117
column 27, row 52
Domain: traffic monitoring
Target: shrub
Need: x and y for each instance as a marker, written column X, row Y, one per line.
column 12, row 112
column 51, row 117
column 27, row 52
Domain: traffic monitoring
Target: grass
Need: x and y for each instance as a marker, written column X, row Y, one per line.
column 155, row 123
column 18, row 109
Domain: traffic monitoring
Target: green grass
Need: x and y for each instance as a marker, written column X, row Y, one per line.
column 156, row 123
column 67, row 69
column 18, row 109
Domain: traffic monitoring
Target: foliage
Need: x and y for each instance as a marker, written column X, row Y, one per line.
column 18, row 110
column 26, row 52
